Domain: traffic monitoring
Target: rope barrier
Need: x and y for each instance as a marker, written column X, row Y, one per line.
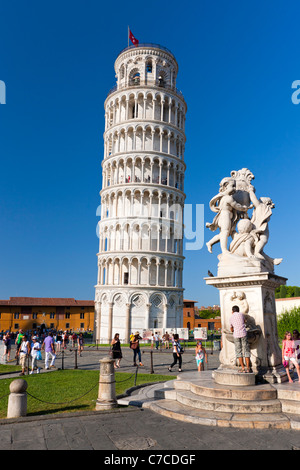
column 81, row 396
column 63, row 403
column 4, row 396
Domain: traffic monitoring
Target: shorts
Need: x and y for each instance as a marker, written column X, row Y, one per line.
column 292, row 359
column 22, row 360
column 199, row 361
column 241, row 347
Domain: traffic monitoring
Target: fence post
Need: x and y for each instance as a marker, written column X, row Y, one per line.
column 17, row 401
column 76, row 367
column 151, row 362
column 136, row 373
column 107, row 385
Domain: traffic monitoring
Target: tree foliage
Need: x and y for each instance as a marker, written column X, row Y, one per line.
column 284, row 292
column 208, row 313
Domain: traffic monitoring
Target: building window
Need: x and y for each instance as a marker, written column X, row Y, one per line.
column 52, row 315
column 82, row 326
column 67, row 315
column 34, row 326
column 34, row 316
column 67, row 326
column 16, row 326
column 51, row 325
column 16, row 316
column 82, row 316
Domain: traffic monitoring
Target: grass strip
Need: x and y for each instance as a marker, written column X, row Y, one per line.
column 66, row 390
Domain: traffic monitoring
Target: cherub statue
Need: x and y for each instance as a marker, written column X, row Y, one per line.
column 250, row 239
column 260, row 220
column 227, row 214
column 244, row 239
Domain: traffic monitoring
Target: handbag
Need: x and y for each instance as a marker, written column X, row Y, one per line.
column 134, row 345
column 39, row 356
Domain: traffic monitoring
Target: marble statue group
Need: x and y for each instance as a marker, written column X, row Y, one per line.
column 246, row 275
column 249, row 233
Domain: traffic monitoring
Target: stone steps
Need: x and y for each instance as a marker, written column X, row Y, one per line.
column 198, row 399
column 228, row 406
column 181, row 412
column 208, row 388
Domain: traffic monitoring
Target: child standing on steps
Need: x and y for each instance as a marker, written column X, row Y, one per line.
column 200, row 356
column 289, row 355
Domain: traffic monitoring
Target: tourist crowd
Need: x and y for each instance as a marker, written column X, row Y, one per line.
column 30, row 344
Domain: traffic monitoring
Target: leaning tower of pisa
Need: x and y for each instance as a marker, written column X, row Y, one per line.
column 140, row 258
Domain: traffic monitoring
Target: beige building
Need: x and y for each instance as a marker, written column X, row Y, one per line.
column 30, row 313
column 286, row 304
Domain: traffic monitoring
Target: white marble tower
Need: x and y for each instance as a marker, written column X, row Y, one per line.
column 140, row 258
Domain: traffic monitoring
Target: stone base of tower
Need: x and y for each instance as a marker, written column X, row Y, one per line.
column 128, row 310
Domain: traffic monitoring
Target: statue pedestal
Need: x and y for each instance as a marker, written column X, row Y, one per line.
column 254, row 293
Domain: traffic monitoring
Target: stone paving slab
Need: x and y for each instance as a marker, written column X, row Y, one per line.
column 137, row 429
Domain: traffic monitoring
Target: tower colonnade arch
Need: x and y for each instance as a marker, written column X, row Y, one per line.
column 149, row 168
column 144, row 137
column 145, row 105
column 132, row 201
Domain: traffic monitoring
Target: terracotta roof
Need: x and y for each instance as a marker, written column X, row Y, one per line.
column 47, row 301
column 289, row 298
column 194, row 301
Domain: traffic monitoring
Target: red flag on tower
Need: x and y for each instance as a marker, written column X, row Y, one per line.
column 134, row 40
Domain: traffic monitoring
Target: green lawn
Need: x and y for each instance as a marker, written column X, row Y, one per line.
column 9, row 368
column 59, row 389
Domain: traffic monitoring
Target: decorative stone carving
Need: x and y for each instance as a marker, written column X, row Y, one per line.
column 246, row 273
column 253, row 330
column 249, row 235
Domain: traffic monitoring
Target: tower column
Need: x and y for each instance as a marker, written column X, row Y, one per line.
column 127, row 324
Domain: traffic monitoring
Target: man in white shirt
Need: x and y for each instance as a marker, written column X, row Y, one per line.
column 24, row 351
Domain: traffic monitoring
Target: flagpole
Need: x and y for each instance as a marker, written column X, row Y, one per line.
column 128, row 36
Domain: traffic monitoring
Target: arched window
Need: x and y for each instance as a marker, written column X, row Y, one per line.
column 149, row 66
column 135, row 77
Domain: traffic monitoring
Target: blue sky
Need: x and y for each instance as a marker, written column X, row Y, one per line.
column 237, row 61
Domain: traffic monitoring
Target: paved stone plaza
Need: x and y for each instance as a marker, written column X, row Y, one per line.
column 133, row 428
